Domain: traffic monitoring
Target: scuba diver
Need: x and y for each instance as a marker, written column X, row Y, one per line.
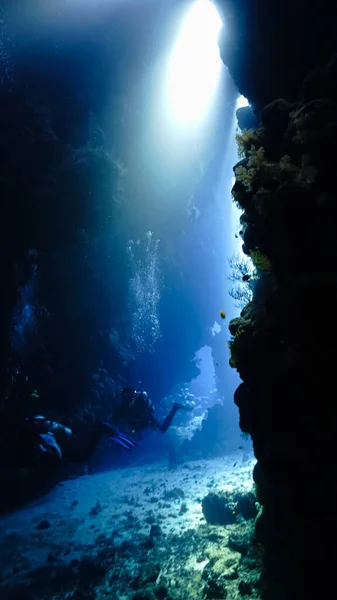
column 137, row 412
column 39, row 442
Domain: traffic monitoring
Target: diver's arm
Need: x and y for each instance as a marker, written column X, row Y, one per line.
column 154, row 424
column 47, row 444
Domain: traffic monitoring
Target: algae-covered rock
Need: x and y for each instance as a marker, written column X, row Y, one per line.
column 287, row 190
column 275, row 117
column 240, row 540
column 224, row 507
column 146, row 595
column 248, row 583
column 218, row 510
column 215, row 586
column 219, row 573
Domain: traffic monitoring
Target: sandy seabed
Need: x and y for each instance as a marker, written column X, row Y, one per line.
column 133, row 533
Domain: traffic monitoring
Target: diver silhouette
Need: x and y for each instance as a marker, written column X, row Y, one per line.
column 39, row 442
column 136, row 411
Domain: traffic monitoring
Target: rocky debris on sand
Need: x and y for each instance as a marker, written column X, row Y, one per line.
column 95, row 510
column 157, row 551
column 45, row 524
column 155, row 531
column 174, row 494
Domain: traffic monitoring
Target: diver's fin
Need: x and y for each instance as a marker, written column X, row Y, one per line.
column 120, row 443
column 128, row 440
column 124, row 440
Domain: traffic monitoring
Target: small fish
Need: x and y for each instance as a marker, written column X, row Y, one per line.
column 217, row 364
column 236, row 235
column 222, row 314
column 35, row 395
column 235, row 464
column 246, row 278
column 240, row 447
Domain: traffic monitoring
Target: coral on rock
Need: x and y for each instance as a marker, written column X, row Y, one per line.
column 224, row 507
column 285, row 355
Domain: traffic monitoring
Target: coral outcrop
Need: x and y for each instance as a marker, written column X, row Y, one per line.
column 224, row 508
column 283, row 343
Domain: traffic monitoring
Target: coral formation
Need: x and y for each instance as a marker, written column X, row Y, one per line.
column 224, row 507
column 285, row 185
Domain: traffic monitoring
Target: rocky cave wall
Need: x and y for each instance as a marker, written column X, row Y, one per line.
column 270, row 47
column 282, row 344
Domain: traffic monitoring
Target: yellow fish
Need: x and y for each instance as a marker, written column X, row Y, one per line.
column 222, row 314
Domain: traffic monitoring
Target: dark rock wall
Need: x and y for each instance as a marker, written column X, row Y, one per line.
column 269, row 47
column 283, row 343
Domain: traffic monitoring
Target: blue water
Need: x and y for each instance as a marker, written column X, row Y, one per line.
column 117, row 232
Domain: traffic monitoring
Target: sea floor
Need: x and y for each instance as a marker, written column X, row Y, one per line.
column 134, row 533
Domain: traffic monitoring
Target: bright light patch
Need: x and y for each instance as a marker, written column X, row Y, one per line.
column 195, row 63
column 216, row 328
column 241, row 102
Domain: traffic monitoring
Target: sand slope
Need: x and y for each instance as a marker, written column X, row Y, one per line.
column 90, row 536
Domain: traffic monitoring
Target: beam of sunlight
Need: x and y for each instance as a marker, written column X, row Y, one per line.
column 241, row 102
column 195, row 63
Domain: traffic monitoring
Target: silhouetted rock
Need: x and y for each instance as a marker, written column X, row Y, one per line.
column 286, row 187
column 269, row 48
column 223, row 507
column 246, row 118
